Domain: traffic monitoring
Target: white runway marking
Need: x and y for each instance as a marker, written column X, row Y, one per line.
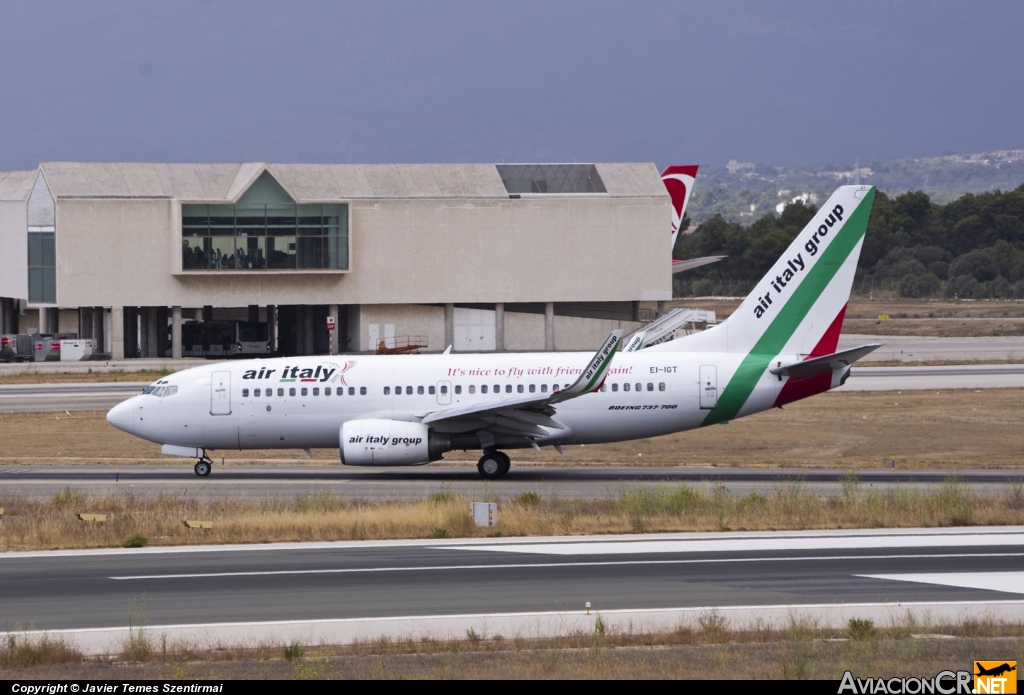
column 721, row 545
column 443, row 568
column 1007, row 582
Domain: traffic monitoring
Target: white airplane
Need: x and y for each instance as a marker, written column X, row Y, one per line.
column 779, row 346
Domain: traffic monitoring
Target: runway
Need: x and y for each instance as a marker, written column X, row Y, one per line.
column 589, row 482
column 24, row 398
column 912, row 348
column 397, row 584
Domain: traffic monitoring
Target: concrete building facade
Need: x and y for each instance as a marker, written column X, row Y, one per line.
column 478, row 256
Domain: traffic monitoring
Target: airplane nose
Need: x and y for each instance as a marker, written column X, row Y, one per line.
column 120, row 416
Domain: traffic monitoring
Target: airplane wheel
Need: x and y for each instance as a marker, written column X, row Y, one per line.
column 506, row 462
column 203, row 468
column 493, row 465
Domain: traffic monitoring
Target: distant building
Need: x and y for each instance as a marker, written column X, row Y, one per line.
column 478, row 256
column 733, row 166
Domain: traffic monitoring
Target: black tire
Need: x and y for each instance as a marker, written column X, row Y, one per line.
column 492, row 465
column 506, row 462
column 203, row 468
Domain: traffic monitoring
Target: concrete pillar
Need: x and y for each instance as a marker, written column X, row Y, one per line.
column 499, row 327
column 549, row 326
column 661, row 309
column 116, row 317
column 198, row 314
column 334, row 313
column 143, row 321
column 449, row 326
column 156, row 331
column 176, row 332
column 307, row 328
column 272, row 327
column 44, row 320
column 99, row 329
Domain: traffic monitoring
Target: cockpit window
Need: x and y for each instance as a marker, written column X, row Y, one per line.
column 160, row 391
column 148, row 389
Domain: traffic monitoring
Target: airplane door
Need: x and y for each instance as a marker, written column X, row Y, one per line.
column 708, row 386
column 444, row 393
column 220, row 393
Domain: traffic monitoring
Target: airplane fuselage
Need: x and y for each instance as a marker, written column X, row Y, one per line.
column 302, row 402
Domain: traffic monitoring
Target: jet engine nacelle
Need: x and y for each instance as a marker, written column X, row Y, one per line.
column 380, row 442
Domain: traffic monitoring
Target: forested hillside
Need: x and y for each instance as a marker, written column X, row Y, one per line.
column 972, row 247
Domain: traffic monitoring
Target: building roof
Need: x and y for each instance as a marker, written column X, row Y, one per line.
column 209, row 183
column 16, row 185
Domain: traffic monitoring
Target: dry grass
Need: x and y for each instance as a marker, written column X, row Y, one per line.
column 28, row 377
column 951, row 430
column 701, row 649
column 159, row 520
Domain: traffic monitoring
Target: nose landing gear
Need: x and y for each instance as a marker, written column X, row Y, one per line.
column 493, row 465
column 203, row 467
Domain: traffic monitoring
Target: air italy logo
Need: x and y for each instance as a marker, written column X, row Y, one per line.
column 324, row 373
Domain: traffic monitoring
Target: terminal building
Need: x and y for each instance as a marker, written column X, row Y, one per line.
column 475, row 256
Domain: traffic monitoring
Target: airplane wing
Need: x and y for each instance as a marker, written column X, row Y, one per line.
column 679, row 266
column 636, row 342
column 825, row 364
column 526, row 415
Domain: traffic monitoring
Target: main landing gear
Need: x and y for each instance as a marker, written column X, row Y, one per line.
column 203, row 467
column 493, row 465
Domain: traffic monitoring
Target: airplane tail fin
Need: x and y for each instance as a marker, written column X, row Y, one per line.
column 678, row 179
column 798, row 307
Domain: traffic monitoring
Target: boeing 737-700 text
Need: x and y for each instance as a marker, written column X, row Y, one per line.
column 779, row 346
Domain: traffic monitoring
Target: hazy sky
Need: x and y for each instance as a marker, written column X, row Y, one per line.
column 669, row 82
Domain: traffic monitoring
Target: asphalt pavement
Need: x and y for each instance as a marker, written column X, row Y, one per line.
column 306, row 583
column 589, row 482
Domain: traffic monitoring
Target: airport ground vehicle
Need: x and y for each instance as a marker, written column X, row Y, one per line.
column 220, row 339
column 15, row 348
column 779, row 346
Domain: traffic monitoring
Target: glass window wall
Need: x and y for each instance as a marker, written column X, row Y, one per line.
column 264, row 237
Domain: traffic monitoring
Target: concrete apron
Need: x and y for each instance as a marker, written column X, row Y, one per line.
column 924, row 614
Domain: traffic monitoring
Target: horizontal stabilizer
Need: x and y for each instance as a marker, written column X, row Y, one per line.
column 826, row 363
column 691, row 263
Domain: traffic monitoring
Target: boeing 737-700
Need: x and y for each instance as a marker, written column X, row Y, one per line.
column 779, row 346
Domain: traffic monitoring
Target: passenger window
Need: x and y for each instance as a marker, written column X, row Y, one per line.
column 245, row 393
column 472, row 388
column 387, row 390
column 508, row 388
column 519, row 388
column 398, row 390
column 256, row 393
column 615, row 387
column 554, row 387
column 432, row 390
column 291, row 392
column 639, row 387
column 419, row 390
column 604, row 387
column 280, row 392
column 327, row 390
column 362, row 390
column 497, row 388
column 661, row 386
column 650, row 386
column 408, row 390
column 316, row 392
column 458, row 388
column 543, row 388
column 305, row 391
column 483, row 389
column 625, row 387
column 533, row 388
column 444, row 390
